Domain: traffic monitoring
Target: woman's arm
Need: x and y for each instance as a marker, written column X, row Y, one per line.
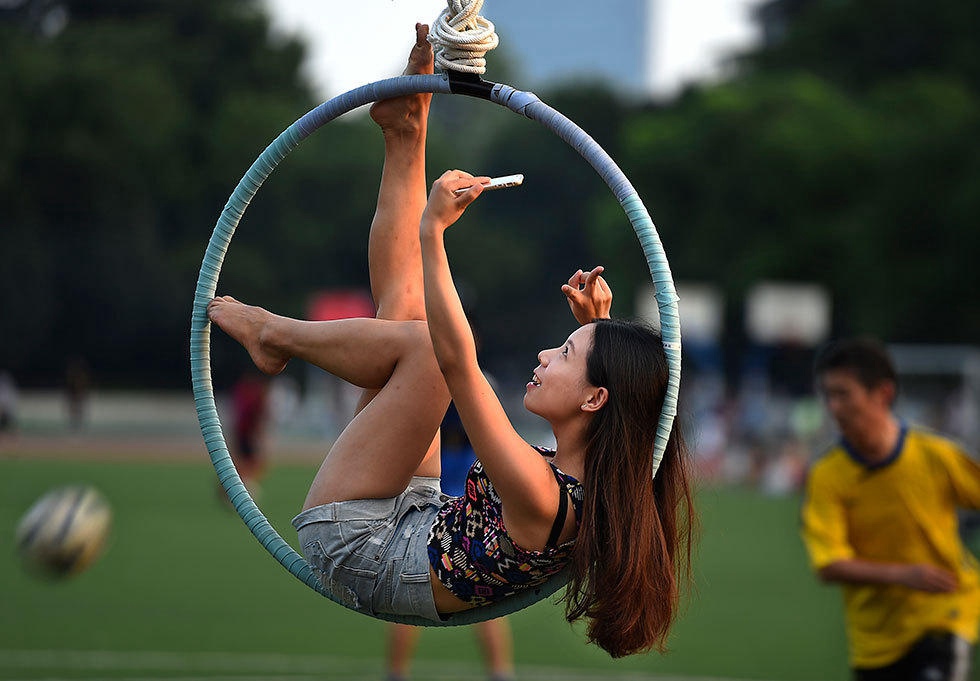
column 452, row 337
column 520, row 475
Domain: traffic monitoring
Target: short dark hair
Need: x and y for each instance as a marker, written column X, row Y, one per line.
column 866, row 357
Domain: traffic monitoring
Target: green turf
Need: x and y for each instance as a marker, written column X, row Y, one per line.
column 185, row 580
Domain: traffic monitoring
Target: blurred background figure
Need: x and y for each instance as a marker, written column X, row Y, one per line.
column 250, row 417
column 494, row 636
column 78, row 384
column 880, row 518
column 8, row 402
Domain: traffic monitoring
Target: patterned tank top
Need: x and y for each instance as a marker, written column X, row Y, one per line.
column 471, row 552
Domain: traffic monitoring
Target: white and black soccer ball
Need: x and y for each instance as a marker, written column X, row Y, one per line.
column 64, row 532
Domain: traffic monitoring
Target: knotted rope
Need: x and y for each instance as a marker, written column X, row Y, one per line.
column 462, row 37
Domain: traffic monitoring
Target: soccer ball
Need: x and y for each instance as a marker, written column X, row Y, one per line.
column 64, row 531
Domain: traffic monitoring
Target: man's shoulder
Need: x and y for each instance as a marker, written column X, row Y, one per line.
column 832, row 456
column 925, row 435
column 924, row 440
column 830, row 464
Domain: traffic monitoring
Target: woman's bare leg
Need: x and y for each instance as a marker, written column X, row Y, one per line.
column 394, row 252
column 394, row 433
column 382, row 447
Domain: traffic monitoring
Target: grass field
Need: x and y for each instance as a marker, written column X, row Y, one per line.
column 185, row 592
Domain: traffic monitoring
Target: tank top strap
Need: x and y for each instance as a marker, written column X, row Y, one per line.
column 559, row 523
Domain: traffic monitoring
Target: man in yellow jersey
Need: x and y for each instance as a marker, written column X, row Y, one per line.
column 880, row 518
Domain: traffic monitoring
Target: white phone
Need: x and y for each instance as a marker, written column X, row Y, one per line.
column 498, row 183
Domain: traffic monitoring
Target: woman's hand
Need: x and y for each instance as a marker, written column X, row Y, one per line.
column 589, row 296
column 445, row 206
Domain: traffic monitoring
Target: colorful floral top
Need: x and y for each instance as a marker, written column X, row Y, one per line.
column 472, row 554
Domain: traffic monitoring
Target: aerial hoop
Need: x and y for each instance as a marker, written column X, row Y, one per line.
column 524, row 103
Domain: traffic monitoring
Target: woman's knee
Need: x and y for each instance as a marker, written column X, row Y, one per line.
column 417, row 343
column 417, row 352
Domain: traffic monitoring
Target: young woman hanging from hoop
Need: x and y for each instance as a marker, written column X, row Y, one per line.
column 375, row 525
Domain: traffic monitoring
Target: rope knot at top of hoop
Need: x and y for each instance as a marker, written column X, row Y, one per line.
column 462, row 37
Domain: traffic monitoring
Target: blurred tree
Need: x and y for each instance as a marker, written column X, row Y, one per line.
column 786, row 177
column 857, row 44
column 843, row 153
column 122, row 137
column 531, row 239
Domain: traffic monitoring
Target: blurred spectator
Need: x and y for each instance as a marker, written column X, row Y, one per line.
column 880, row 518
column 8, row 402
column 78, row 383
column 786, row 472
column 494, row 636
column 250, row 409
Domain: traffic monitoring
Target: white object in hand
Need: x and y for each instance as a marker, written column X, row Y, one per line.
column 497, row 183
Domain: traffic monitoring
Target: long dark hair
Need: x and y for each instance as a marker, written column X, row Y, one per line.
column 633, row 551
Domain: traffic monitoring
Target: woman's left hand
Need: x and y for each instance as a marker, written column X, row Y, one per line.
column 588, row 294
column 445, row 206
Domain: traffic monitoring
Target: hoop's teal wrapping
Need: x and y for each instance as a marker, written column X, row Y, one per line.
column 524, row 103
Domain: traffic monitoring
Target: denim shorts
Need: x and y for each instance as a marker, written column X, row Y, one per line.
column 372, row 554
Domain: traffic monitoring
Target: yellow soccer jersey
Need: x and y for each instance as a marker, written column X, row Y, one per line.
column 900, row 511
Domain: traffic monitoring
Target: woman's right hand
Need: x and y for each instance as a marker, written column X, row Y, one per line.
column 589, row 296
column 444, row 206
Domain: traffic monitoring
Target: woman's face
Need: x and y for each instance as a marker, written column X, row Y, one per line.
column 559, row 386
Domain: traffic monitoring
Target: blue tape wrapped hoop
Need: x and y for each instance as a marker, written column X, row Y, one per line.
column 524, row 103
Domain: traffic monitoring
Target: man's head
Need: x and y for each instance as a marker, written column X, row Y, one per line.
column 858, row 382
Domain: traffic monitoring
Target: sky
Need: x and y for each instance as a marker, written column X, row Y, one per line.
column 359, row 41
column 695, row 36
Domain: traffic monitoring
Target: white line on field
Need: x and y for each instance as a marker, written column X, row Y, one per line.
column 264, row 677
column 278, row 667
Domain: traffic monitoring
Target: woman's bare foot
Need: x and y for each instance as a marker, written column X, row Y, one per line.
column 250, row 326
column 408, row 113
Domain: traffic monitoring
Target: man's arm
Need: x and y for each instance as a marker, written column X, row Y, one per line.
column 921, row 577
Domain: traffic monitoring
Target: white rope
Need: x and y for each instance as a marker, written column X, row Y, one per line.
column 462, row 37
